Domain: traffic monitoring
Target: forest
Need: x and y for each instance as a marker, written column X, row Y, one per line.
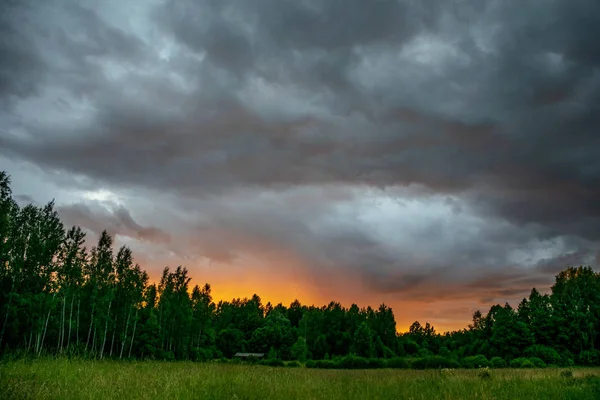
column 60, row 298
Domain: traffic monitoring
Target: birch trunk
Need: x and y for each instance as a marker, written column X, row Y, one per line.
column 78, row 309
column 30, row 340
column 125, row 338
column 133, row 334
column 94, row 340
column 112, row 342
column 105, row 330
column 61, row 336
column 70, row 322
column 45, row 328
column 90, row 330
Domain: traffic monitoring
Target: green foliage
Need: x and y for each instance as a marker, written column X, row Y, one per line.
column 272, row 362
column 589, row 357
column 323, row 364
column 230, row 341
column 362, row 344
column 293, row 364
column 498, row 362
column 353, row 362
column 397, row 362
column 538, row 362
column 433, row 362
column 272, row 355
column 484, row 373
column 521, row 362
column 478, row 361
column 374, row 363
column 545, row 353
column 566, row 373
column 300, row 349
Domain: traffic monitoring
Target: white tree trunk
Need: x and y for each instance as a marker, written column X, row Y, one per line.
column 46, row 327
column 61, row 336
column 112, row 342
column 70, row 322
column 94, row 340
column 133, row 334
column 78, row 309
column 105, row 330
column 125, row 338
column 90, row 330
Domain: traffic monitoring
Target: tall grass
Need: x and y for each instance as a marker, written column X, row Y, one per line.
column 78, row 379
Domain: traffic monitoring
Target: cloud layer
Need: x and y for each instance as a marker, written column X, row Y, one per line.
column 434, row 152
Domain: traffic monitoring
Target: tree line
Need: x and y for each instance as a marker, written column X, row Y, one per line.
column 60, row 298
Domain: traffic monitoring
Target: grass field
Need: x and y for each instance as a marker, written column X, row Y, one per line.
column 64, row 379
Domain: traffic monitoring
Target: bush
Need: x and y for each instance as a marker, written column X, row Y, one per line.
column 538, row 362
column 566, row 373
column 547, row 354
column 273, row 362
column 375, row 363
column 202, row 354
column 353, row 362
column 589, row 357
column 326, row 364
column 498, row 362
column 388, row 353
column 484, row 373
column 521, row 362
column 527, row 364
column 310, row 364
column 478, row 361
column 433, row 362
column 396, row 362
column 293, row 364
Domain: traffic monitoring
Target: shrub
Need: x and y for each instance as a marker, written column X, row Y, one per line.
column 423, row 352
column 527, row 364
column 538, row 362
column 375, row 363
column 326, row 364
column 293, row 364
column 589, row 357
column 566, row 373
column 521, row 362
column 498, row 362
column 310, row 364
column 388, row 353
column 478, row 361
column 353, row 362
column 431, row 362
column 273, row 362
column 396, row 362
column 484, row 373
column 547, row 354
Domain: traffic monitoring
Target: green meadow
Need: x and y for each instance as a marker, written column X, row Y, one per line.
column 80, row 379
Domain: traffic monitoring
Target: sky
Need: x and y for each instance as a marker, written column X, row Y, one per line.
column 438, row 156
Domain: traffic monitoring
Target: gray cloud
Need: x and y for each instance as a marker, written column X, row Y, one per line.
column 117, row 220
column 489, row 107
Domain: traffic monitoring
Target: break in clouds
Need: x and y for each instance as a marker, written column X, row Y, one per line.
column 412, row 151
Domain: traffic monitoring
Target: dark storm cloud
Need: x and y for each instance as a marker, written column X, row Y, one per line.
column 117, row 220
column 495, row 103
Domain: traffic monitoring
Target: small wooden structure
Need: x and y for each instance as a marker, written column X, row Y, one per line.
column 245, row 356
